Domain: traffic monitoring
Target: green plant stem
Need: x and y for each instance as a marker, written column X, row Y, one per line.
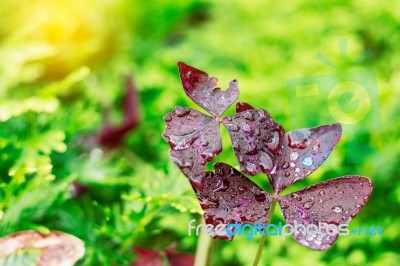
column 205, row 245
column 264, row 238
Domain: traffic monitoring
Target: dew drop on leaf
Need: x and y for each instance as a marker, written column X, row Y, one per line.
column 294, row 156
column 260, row 197
column 337, row 209
column 242, row 189
column 285, row 165
column 297, row 197
column 307, row 205
column 307, row 161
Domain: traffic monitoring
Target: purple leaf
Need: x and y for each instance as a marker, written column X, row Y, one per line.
column 243, row 106
column 336, row 201
column 112, row 136
column 203, row 90
column 228, row 197
column 194, row 139
column 147, row 257
column 256, row 138
column 304, row 150
column 180, row 259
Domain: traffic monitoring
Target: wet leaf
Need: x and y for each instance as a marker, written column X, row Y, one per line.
column 304, row 150
column 56, row 249
column 260, row 145
column 203, row 90
column 256, row 138
column 194, row 139
column 229, row 197
column 336, row 201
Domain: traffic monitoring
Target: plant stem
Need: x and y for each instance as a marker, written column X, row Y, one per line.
column 204, row 250
column 262, row 242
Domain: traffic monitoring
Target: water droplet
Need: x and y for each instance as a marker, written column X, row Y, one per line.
column 355, row 197
column 248, row 116
column 168, row 118
column 246, row 128
column 310, row 238
column 254, row 190
column 285, row 165
column 337, row 209
column 273, row 170
column 220, row 172
column 251, row 168
column 265, row 161
column 307, row 161
column 358, row 206
column 320, row 200
column 261, row 113
column 294, row 156
column 340, row 191
column 287, row 173
column 296, row 196
column 236, row 146
column 284, row 205
column 322, row 192
column 182, row 112
column 222, row 185
column 260, row 197
column 273, row 144
column 298, row 139
column 297, row 170
column 238, row 214
column 242, row 189
column 231, row 172
column 232, row 127
column 307, row 205
column 316, row 147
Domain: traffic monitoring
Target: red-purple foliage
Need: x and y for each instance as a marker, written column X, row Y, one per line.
column 149, row 257
column 261, row 145
column 112, row 136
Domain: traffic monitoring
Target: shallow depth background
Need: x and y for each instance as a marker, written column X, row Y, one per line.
column 63, row 62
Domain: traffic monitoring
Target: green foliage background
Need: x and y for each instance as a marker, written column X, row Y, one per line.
column 62, row 62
